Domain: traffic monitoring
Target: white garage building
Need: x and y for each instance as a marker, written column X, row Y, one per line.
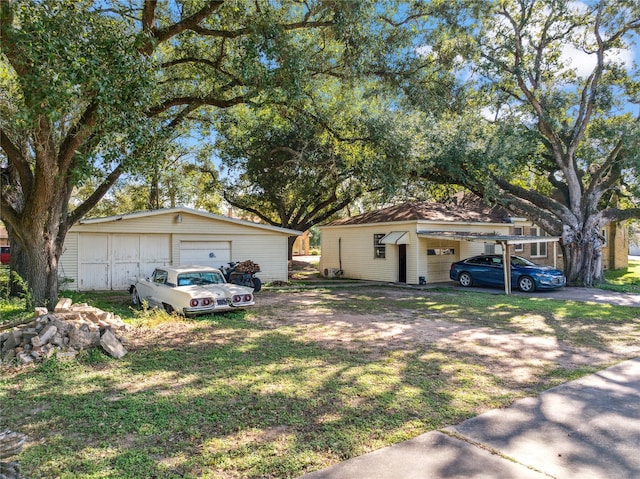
column 105, row 253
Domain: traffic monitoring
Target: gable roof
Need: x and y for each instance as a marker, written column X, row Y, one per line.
column 467, row 211
column 181, row 209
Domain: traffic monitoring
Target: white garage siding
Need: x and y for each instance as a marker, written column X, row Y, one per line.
column 109, row 261
column 68, row 264
column 105, row 253
column 205, row 253
column 93, row 254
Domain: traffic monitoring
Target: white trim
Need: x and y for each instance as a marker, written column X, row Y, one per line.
column 396, row 237
column 178, row 210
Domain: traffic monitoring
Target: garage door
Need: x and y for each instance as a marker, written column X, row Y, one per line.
column 94, row 262
column 440, row 255
column 110, row 261
column 125, row 260
column 205, row 253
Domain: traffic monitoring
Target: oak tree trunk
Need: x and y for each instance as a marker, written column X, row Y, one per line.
column 290, row 242
column 583, row 259
column 36, row 262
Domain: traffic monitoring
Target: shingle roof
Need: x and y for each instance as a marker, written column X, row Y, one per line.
column 469, row 211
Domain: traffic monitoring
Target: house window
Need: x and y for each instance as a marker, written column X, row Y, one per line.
column 518, row 231
column 538, row 249
column 489, row 248
column 379, row 249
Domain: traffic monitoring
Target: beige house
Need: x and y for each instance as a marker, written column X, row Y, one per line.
column 615, row 246
column 416, row 242
column 105, row 253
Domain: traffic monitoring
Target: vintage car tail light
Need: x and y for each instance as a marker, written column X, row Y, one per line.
column 194, row 303
column 237, row 298
column 247, row 297
column 206, row 302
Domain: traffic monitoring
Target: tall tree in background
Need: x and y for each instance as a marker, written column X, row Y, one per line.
column 296, row 167
column 90, row 89
column 558, row 137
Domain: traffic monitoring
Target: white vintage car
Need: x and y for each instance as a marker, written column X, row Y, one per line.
column 190, row 290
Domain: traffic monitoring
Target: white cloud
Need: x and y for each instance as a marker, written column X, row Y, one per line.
column 584, row 63
column 424, row 50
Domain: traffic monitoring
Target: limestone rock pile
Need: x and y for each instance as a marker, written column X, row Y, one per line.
column 10, row 445
column 70, row 329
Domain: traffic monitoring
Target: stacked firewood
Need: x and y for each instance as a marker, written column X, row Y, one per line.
column 248, row 266
column 63, row 333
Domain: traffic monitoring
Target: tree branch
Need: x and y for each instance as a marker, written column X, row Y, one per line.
column 541, row 201
column 86, row 206
column 9, row 48
column 187, row 23
column 616, row 214
column 159, row 35
column 196, row 102
column 80, row 131
column 17, row 160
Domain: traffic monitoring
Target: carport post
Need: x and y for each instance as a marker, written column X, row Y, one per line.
column 506, row 264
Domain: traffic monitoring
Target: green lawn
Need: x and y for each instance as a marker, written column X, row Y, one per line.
column 625, row 280
column 234, row 396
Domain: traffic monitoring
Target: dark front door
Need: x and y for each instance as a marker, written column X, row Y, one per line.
column 402, row 263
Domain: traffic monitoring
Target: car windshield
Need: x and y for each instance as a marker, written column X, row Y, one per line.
column 518, row 261
column 200, row 277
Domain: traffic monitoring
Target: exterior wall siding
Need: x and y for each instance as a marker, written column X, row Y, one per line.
column 351, row 249
column 68, row 265
column 616, row 253
column 136, row 245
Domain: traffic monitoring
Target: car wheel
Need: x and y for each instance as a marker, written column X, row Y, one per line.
column 526, row 284
column 168, row 308
column 465, row 279
column 257, row 285
column 135, row 297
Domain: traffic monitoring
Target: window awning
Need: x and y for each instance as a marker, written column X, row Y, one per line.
column 396, row 237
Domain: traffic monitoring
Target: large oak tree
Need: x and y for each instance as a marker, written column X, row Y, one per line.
column 552, row 127
column 296, row 166
column 94, row 89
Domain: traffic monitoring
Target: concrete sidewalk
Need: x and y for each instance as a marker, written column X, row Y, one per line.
column 589, row 428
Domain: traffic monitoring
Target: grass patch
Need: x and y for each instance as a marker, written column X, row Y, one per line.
column 240, row 396
column 626, row 280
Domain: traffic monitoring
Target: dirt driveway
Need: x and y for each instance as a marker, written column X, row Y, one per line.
column 394, row 321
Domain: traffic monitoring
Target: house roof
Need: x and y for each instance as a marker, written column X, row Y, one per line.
column 466, row 211
column 205, row 214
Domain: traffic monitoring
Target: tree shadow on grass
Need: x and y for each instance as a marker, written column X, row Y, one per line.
column 260, row 403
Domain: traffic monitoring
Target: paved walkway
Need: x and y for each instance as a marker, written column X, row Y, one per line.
column 589, row 428
column 595, row 295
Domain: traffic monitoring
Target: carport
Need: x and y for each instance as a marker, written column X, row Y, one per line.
column 505, row 241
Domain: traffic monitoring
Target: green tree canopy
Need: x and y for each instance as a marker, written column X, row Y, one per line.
column 554, row 140
column 95, row 89
column 296, row 166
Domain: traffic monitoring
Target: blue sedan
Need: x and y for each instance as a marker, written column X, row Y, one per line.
column 488, row 270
